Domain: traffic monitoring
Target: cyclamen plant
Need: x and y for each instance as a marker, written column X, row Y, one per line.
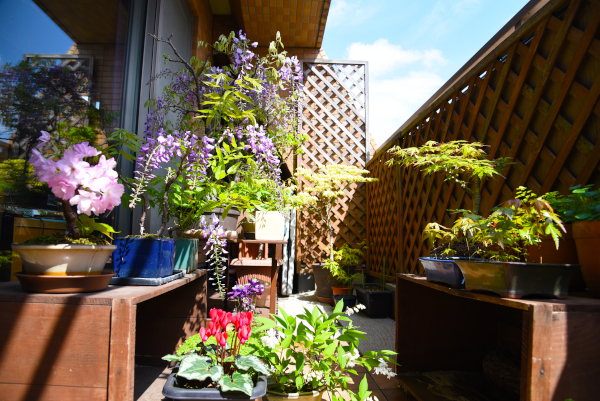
column 93, row 188
column 224, row 367
column 246, row 294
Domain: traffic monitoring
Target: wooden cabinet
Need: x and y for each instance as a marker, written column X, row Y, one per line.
column 61, row 347
column 443, row 336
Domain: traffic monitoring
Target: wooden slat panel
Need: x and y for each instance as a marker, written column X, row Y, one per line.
column 334, row 118
column 29, row 392
column 537, row 103
column 45, row 344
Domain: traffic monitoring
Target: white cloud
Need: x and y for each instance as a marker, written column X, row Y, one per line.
column 342, row 13
column 393, row 101
column 385, row 57
column 400, row 81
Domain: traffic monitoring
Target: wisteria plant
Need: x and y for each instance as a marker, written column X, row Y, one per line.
column 222, row 365
column 79, row 175
column 308, row 353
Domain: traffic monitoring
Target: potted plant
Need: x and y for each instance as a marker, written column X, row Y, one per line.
column 505, row 234
column 218, row 370
column 342, row 267
column 79, row 175
column 583, row 208
column 375, row 297
column 329, row 184
column 465, row 164
column 308, row 355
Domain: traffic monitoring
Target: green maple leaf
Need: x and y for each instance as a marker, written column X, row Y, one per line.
column 194, row 367
column 237, row 382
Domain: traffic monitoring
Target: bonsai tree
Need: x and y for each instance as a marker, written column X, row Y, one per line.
column 328, row 185
column 79, row 175
column 506, row 232
column 345, row 257
column 465, row 163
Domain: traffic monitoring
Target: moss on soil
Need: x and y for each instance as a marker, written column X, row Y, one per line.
column 58, row 239
column 145, row 236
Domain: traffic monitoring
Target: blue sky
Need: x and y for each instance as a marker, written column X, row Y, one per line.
column 413, row 47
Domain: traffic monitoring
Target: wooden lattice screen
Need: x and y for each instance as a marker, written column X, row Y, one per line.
column 335, row 119
column 534, row 98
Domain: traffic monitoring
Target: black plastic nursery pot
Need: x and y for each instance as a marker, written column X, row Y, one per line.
column 171, row 391
column 348, row 300
column 377, row 303
column 517, row 279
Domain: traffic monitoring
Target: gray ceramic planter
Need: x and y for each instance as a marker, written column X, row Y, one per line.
column 211, row 394
column 517, row 279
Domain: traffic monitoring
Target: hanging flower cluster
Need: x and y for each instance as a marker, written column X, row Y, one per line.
column 93, row 188
column 246, row 294
column 215, row 244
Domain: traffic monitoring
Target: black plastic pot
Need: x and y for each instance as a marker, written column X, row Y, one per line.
column 517, row 279
column 444, row 271
column 377, row 303
column 348, row 300
column 211, row 394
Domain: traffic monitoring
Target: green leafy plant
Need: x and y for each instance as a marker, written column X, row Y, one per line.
column 508, row 230
column 583, row 204
column 463, row 162
column 309, row 352
column 326, row 186
column 343, row 259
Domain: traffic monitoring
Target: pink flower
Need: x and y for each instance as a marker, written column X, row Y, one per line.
column 112, row 194
column 62, row 187
column 221, row 338
column 84, row 150
column 72, row 165
column 204, row 334
column 87, row 202
column 45, row 137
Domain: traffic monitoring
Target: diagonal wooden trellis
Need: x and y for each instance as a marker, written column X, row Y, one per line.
column 335, row 119
column 534, row 98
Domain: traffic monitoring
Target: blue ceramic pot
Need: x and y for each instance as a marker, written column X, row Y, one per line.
column 144, row 257
column 444, row 271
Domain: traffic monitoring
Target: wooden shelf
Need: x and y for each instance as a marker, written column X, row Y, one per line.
column 442, row 329
column 571, row 304
column 261, row 241
column 452, row 385
column 254, row 262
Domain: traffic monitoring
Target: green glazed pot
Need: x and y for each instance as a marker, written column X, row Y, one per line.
column 186, row 254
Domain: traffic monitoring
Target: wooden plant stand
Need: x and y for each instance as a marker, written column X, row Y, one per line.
column 449, row 332
column 264, row 269
column 62, row 347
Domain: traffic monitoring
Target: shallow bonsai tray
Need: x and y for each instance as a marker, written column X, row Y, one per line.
column 63, row 284
column 147, row 281
column 179, row 393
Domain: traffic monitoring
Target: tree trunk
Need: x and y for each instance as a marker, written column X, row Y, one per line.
column 477, row 196
column 71, row 219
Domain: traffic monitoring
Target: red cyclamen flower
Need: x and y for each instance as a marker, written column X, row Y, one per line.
column 204, row 334
column 221, row 338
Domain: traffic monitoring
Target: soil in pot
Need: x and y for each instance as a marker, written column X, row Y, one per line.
column 587, row 241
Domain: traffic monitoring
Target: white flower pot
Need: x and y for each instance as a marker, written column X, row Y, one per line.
column 270, row 226
column 64, row 259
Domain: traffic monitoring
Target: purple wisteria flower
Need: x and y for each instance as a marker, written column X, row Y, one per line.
column 246, row 294
column 216, row 244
